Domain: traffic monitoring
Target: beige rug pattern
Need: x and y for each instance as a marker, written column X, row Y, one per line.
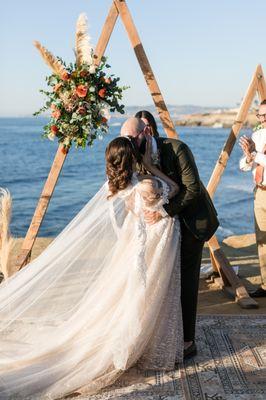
column 230, row 365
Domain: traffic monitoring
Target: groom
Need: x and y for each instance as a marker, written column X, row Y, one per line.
column 198, row 217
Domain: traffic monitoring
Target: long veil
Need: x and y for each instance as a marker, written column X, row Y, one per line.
column 72, row 317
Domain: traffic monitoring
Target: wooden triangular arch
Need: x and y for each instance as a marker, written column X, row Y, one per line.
column 118, row 7
column 220, row 262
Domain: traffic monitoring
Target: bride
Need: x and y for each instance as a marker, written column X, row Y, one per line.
column 104, row 295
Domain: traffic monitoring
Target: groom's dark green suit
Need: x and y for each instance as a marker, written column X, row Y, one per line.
column 198, row 219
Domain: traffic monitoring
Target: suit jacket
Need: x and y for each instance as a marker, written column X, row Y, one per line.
column 192, row 204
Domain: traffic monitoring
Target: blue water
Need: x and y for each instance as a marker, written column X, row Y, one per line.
column 26, row 158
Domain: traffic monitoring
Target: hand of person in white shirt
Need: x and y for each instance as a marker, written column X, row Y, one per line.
column 248, row 146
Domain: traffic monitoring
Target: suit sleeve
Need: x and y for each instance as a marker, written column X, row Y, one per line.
column 190, row 188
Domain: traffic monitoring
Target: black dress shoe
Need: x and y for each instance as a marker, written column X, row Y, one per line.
column 190, row 352
column 258, row 293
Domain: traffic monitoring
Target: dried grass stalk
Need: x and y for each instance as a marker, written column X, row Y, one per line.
column 83, row 41
column 6, row 241
column 50, row 59
column 5, row 257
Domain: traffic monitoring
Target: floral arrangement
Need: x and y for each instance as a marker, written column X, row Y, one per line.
column 82, row 94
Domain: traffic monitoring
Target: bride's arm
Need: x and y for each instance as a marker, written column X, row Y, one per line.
column 147, row 162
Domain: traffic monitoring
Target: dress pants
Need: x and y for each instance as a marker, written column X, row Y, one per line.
column 260, row 230
column 191, row 254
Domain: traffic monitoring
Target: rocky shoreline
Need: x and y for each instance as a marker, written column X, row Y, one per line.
column 217, row 119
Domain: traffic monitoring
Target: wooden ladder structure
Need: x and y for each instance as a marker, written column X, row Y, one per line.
column 119, row 8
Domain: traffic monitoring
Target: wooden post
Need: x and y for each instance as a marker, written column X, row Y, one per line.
column 49, row 186
column 237, row 125
column 146, row 68
column 106, row 33
column 261, row 83
column 242, row 296
column 48, row 189
column 231, row 282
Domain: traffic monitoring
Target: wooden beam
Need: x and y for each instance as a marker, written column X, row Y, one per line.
column 48, row 189
column 229, row 144
column 49, row 186
column 261, row 83
column 105, row 34
column 229, row 277
column 227, row 273
column 146, row 68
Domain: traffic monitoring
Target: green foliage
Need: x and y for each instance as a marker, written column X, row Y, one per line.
column 258, row 127
column 80, row 101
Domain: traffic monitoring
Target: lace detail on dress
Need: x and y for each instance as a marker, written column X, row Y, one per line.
column 141, row 240
column 165, row 194
column 165, row 346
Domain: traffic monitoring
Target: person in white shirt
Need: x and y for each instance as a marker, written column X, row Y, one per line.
column 254, row 160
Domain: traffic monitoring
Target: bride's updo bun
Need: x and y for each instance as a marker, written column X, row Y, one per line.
column 119, row 156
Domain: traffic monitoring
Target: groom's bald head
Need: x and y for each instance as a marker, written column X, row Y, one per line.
column 132, row 127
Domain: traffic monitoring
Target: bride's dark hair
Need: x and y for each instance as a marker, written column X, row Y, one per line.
column 119, row 156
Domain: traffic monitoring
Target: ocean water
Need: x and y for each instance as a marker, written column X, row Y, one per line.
column 26, row 158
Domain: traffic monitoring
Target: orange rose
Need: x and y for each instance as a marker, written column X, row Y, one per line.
column 53, row 106
column 104, row 120
column 65, row 76
column 108, row 81
column 81, row 90
column 54, row 129
column 56, row 113
column 102, row 92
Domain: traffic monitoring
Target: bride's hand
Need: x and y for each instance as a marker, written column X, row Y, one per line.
column 147, row 159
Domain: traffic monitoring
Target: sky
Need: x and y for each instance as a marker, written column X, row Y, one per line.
column 202, row 52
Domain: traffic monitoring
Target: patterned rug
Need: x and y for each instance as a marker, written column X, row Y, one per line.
column 230, row 365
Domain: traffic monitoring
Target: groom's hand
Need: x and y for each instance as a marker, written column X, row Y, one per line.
column 151, row 217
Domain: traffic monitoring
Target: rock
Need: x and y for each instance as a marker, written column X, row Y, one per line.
column 216, row 120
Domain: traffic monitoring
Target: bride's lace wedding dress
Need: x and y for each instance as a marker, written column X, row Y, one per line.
column 104, row 296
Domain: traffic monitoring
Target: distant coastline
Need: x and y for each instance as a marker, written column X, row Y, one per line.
column 215, row 119
column 184, row 115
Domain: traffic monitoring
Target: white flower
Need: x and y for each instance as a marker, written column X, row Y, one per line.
column 66, row 141
column 105, row 113
column 92, row 98
column 92, row 89
column 92, row 69
column 51, row 136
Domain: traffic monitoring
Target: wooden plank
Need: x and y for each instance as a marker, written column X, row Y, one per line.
column 214, row 266
column 227, row 273
column 41, row 208
column 106, row 33
column 43, row 203
column 146, row 68
column 217, row 268
column 237, row 125
column 229, row 276
column 261, row 83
